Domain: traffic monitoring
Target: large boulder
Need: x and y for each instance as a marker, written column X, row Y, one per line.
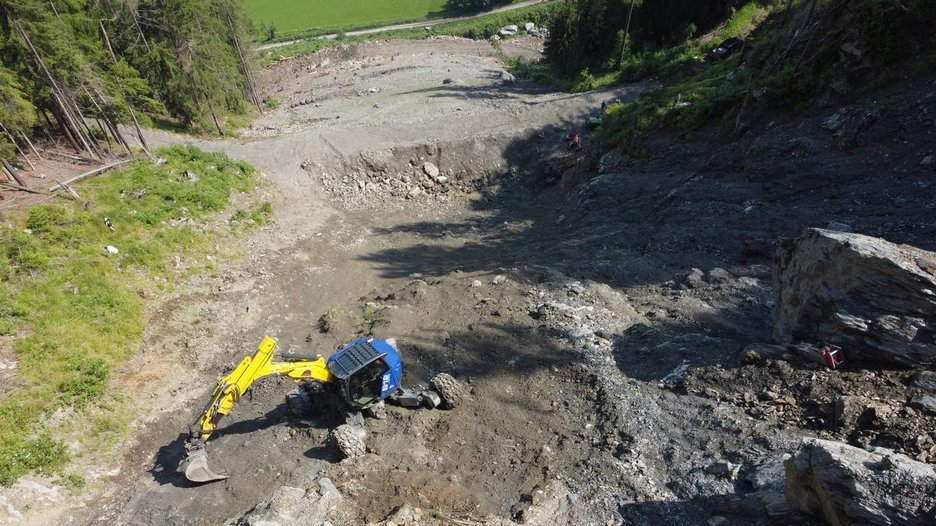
column 875, row 299
column 848, row 485
column 292, row 506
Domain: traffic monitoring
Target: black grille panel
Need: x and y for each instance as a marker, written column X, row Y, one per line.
column 352, row 359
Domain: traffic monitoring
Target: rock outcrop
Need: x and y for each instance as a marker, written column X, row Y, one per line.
column 292, row 506
column 875, row 299
column 848, row 485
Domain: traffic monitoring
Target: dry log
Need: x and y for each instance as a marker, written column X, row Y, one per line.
column 71, row 191
column 90, row 173
column 12, row 171
column 24, row 188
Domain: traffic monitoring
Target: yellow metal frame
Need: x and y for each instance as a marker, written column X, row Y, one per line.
column 231, row 387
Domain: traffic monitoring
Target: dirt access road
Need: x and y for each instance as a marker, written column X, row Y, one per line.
column 560, row 310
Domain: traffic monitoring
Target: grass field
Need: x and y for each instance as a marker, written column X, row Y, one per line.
column 294, row 18
column 481, row 27
column 73, row 313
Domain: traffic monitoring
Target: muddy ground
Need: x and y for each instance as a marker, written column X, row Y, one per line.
column 559, row 299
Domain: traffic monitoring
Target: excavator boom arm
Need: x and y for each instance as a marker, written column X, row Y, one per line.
column 232, row 386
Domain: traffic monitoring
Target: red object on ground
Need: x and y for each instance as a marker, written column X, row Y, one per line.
column 832, row 356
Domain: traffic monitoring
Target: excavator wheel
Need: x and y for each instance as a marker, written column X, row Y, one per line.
column 349, row 440
column 448, row 388
column 302, row 401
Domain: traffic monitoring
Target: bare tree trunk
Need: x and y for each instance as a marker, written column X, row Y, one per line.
column 104, row 132
column 252, row 94
column 31, row 147
column 630, row 12
column 136, row 124
column 20, row 150
column 214, row 116
column 107, row 41
column 136, row 22
column 69, row 115
column 13, row 173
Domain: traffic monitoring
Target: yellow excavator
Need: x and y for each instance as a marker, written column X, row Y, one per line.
column 362, row 373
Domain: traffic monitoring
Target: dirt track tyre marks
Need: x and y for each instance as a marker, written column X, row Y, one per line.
column 448, row 388
column 350, row 440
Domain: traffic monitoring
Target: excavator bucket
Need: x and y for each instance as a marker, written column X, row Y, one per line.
column 196, row 467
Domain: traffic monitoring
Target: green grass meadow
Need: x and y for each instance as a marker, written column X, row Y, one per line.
column 297, row 18
column 71, row 313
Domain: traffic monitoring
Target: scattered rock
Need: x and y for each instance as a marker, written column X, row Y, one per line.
column 769, row 474
column 611, row 162
column 848, row 485
column 851, row 411
column 430, row 169
column 759, row 352
column 852, row 50
column 404, row 515
column 723, row 468
column 925, row 380
column 833, row 122
column 840, row 227
column 924, row 402
column 509, row 30
column 719, row 276
column 695, row 279
column 506, row 77
column 869, row 296
column 498, row 279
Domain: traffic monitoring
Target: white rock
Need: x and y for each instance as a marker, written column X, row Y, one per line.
column 430, row 169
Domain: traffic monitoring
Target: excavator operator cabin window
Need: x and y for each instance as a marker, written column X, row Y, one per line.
column 365, row 386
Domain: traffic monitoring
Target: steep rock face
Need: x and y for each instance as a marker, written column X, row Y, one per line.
column 875, row 299
column 848, row 485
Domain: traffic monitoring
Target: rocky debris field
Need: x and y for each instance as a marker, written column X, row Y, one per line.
column 612, row 320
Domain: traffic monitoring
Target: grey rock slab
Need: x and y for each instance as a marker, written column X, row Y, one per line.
column 875, row 299
column 848, row 485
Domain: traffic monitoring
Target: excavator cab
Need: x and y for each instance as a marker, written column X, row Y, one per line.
column 367, row 370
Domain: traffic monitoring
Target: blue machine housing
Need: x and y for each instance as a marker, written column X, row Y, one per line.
column 357, row 356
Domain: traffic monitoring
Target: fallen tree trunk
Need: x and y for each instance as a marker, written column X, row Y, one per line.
column 96, row 171
column 875, row 299
column 13, row 173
